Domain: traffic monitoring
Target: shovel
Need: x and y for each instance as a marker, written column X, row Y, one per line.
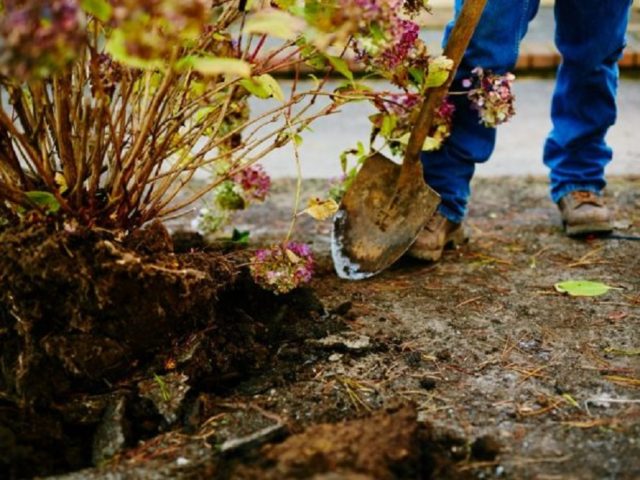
column 388, row 204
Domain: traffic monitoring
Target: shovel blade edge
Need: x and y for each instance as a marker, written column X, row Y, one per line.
column 379, row 219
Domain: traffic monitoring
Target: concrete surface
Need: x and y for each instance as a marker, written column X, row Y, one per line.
column 518, row 150
column 537, row 50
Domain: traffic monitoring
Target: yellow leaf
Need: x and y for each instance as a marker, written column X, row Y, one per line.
column 209, row 66
column 293, row 258
column 61, row 182
column 430, row 144
column 321, row 209
column 439, row 70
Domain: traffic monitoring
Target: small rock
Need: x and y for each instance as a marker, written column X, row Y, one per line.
column 624, row 224
column 166, row 392
column 335, row 357
column 111, row 435
column 348, row 341
column 254, row 440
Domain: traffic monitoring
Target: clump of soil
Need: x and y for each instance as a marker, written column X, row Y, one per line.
column 80, row 308
column 105, row 341
column 384, row 446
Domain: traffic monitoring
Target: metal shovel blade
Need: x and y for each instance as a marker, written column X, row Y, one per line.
column 380, row 216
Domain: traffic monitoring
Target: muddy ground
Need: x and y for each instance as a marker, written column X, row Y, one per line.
column 473, row 367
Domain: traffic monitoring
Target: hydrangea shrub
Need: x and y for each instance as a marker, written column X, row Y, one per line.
column 108, row 108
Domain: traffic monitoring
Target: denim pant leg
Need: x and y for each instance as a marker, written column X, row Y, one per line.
column 494, row 46
column 590, row 35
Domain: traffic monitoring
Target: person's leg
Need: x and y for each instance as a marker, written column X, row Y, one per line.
column 590, row 35
column 494, row 46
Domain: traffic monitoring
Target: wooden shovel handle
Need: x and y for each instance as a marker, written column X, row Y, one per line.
column 456, row 46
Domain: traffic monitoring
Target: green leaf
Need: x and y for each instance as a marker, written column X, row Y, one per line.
column 255, row 87
column 417, row 75
column 439, row 70
column 377, row 33
column 264, row 86
column 436, row 79
column 101, row 9
column 404, row 139
column 44, row 200
column 582, row 288
column 430, row 143
column 117, row 47
column 273, row 86
column 312, row 57
column 240, row 237
column 275, row 23
column 341, row 66
column 209, row 66
column 389, row 123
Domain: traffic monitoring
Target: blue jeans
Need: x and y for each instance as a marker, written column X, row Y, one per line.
column 590, row 35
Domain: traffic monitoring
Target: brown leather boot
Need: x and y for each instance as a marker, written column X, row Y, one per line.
column 438, row 234
column 584, row 213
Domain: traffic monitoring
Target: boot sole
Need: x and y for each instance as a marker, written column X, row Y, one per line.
column 587, row 229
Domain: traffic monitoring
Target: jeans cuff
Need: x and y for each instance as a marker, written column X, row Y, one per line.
column 567, row 188
column 450, row 214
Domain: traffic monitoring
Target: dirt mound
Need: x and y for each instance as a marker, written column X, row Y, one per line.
column 385, row 446
column 104, row 341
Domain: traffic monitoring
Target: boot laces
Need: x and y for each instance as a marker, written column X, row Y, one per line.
column 582, row 197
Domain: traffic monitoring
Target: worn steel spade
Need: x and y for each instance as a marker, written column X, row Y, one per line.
column 388, row 204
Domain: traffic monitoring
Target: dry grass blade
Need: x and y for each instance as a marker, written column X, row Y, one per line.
column 624, row 381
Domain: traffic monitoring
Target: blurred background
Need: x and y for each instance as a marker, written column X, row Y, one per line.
column 519, row 147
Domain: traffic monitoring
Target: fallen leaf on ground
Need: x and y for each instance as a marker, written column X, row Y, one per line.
column 582, row 288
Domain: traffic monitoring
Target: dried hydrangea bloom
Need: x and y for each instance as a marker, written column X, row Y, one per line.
column 37, row 37
column 106, row 74
column 254, row 181
column 491, row 96
column 152, row 28
column 384, row 39
column 442, row 122
column 404, row 108
column 282, row 268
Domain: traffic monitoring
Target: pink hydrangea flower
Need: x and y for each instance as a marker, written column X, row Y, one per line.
column 282, row 268
column 405, row 34
column 255, row 182
column 491, row 96
column 399, row 35
column 37, row 37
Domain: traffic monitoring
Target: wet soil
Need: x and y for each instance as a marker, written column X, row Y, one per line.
column 474, row 367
